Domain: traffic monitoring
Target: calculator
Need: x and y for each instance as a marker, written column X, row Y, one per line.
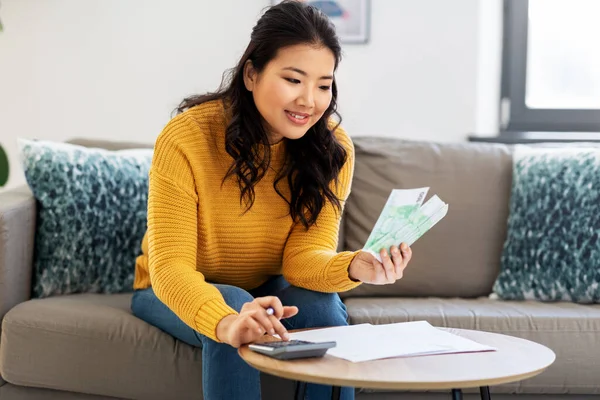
column 292, row 349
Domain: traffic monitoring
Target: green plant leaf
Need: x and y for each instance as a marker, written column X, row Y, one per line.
column 3, row 167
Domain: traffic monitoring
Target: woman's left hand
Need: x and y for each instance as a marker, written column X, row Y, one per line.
column 366, row 268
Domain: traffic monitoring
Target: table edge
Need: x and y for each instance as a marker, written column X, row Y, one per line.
column 403, row 385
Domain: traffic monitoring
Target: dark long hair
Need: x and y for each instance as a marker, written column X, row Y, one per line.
column 314, row 161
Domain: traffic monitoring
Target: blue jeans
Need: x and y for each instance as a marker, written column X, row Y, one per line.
column 225, row 376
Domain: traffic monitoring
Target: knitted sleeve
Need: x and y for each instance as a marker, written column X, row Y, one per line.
column 310, row 259
column 172, row 233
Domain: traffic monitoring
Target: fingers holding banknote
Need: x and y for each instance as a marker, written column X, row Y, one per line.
column 395, row 261
column 400, row 258
column 366, row 268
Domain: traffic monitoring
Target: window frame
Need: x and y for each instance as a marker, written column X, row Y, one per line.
column 515, row 116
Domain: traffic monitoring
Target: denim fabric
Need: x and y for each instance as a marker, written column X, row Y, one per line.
column 225, row 376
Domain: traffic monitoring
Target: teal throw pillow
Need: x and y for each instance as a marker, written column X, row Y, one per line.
column 552, row 250
column 92, row 208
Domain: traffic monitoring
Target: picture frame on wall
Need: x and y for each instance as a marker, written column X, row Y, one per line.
column 350, row 17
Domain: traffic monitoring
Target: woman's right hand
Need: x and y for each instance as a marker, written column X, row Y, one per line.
column 253, row 322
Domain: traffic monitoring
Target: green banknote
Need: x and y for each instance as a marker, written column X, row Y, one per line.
column 404, row 218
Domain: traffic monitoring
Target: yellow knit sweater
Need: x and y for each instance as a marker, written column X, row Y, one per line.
column 198, row 233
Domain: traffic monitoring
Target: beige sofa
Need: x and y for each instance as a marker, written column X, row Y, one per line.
column 90, row 346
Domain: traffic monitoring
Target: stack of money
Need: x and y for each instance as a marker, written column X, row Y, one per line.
column 404, row 219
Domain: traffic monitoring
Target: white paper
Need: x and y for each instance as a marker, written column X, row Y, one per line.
column 367, row 342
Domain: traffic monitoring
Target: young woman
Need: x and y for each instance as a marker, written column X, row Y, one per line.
column 246, row 191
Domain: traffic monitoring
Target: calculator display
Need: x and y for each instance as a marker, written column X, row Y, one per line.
column 282, row 343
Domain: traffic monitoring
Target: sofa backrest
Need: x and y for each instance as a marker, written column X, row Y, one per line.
column 458, row 257
column 111, row 145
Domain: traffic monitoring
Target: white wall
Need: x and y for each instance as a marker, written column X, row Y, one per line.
column 115, row 69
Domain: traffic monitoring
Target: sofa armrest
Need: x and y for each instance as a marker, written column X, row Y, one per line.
column 17, row 230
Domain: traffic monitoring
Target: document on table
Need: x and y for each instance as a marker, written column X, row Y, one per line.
column 365, row 342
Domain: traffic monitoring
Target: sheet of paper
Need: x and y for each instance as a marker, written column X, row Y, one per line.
column 367, row 342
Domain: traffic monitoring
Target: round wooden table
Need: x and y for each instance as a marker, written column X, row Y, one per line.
column 515, row 360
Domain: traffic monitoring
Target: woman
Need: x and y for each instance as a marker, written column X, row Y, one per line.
column 246, row 191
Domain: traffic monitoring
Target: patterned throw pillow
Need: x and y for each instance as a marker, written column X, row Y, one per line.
column 552, row 250
column 91, row 215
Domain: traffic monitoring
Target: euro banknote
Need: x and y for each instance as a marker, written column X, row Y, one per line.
column 404, row 219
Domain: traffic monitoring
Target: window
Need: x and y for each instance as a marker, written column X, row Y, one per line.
column 551, row 66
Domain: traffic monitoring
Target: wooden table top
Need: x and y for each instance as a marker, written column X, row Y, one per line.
column 516, row 359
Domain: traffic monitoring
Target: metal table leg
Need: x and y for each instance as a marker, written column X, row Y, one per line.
column 336, row 393
column 485, row 393
column 300, row 390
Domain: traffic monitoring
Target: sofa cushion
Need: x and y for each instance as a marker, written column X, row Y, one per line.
column 460, row 256
column 92, row 343
column 552, row 249
column 14, row 392
column 570, row 330
column 91, row 216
